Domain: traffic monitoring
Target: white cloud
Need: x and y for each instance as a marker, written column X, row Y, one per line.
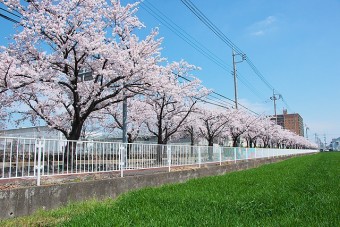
column 260, row 108
column 267, row 22
column 258, row 33
column 263, row 27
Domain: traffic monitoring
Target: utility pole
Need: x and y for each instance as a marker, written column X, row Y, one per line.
column 124, row 115
column 124, row 120
column 316, row 136
column 318, row 141
column 235, row 74
column 307, row 128
column 274, row 98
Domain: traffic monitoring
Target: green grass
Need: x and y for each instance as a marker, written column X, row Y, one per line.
column 303, row 191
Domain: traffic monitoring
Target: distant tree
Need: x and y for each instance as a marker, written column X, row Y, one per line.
column 266, row 133
column 92, row 128
column 277, row 136
column 191, row 126
column 253, row 132
column 239, row 125
column 169, row 106
column 213, row 125
column 136, row 117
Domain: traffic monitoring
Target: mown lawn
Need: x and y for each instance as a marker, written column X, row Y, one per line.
column 303, row 191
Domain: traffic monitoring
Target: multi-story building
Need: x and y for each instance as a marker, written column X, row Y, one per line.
column 292, row 122
column 335, row 144
column 32, row 132
column 280, row 120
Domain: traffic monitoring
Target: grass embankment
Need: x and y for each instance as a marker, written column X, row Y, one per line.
column 303, row 191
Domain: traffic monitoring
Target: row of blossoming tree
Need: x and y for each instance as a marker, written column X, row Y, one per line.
column 42, row 79
column 167, row 120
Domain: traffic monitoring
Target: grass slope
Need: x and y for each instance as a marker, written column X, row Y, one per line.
column 303, row 191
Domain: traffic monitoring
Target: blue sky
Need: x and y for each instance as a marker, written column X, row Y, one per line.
column 293, row 43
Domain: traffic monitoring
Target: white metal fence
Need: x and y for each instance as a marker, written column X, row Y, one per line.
column 24, row 157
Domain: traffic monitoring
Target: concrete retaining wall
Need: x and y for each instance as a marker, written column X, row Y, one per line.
column 24, row 201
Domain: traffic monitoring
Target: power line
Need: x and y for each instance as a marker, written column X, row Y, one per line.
column 9, row 19
column 152, row 10
column 166, row 21
column 210, row 25
column 284, row 101
column 10, row 12
column 221, row 96
column 224, row 38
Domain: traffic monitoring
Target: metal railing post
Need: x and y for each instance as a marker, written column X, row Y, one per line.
column 220, row 148
column 4, row 159
column 169, row 156
column 255, row 153
column 199, row 157
column 121, row 160
column 235, row 154
column 38, row 167
column 268, row 154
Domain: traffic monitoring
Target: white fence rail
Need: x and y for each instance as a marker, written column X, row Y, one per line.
column 24, row 157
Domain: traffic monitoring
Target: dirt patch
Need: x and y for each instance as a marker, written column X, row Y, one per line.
column 7, row 184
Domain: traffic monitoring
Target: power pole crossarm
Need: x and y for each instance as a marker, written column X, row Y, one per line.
column 274, row 98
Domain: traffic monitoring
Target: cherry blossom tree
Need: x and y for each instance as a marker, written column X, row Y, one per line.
column 173, row 101
column 213, row 124
column 136, row 116
column 8, row 66
column 75, row 58
column 92, row 128
column 190, row 127
column 253, row 133
column 240, row 123
column 61, row 40
column 169, row 106
column 277, row 137
column 266, row 132
column 3, row 109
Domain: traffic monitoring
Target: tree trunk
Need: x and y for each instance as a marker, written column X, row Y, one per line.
column 254, row 143
column 235, row 141
column 129, row 145
column 248, row 140
column 210, row 149
column 192, row 143
column 70, row 155
column 159, row 153
column 266, row 144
